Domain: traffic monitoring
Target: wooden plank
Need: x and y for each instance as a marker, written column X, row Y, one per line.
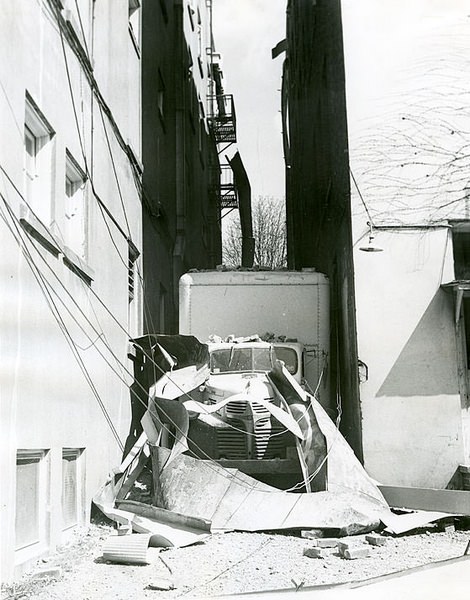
column 164, row 516
column 132, row 477
column 447, row 501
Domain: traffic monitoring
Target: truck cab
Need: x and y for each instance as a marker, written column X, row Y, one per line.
column 242, row 433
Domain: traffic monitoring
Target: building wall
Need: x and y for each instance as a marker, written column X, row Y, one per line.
column 317, row 183
column 65, row 310
column 413, row 432
column 181, row 215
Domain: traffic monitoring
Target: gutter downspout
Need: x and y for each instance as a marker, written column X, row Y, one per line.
column 243, row 187
column 180, row 146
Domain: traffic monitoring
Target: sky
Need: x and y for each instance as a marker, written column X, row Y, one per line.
column 245, row 31
column 388, row 45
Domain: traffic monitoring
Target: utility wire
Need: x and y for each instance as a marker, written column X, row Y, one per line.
column 154, row 364
column 84, row 154
column 361, row 197
column 56, row 314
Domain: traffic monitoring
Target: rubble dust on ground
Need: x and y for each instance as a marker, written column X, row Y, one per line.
column 225, row 563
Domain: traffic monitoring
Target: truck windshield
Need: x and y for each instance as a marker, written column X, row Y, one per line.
column 229, row 360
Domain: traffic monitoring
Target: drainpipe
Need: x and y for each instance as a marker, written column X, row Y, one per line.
column 180, row 145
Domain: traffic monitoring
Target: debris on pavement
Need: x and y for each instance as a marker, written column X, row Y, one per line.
column 376, row 540
column 194, row 497
column 354, row 553
column 314, row 552
column 161, row 584
column 127, row 549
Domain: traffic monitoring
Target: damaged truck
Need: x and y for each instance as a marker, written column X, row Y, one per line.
column 289, row 311
column 221, row 417
column 281, row 316
column 243, row 432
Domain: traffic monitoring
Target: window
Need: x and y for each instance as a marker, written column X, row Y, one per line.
column 191, row 16
column 289, row 358
column 75, row 207
column 461, row 250
column 72, row 487
column 233, row 359
column 461, row 245
column 31, row 498
column 161, row 96
column 38, row 162
column 200, row 44
column 133, row 255
column 134, row 5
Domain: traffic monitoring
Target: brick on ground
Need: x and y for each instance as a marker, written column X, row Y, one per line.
column 376, row 540
column 314, row 552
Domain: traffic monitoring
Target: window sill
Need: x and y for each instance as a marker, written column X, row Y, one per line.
column 77, row 265
column 134, row 158
column 201, row 68
column 38, row 231
column 135, row 43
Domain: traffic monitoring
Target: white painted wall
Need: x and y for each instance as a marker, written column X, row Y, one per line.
column 197, row 31
column 46, row 402
column 411, row 408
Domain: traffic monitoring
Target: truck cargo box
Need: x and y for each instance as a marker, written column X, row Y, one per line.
column 288, row 304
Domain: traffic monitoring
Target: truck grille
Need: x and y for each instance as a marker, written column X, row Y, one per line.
column 232, row 444
column 236, row 408
column 262, row 431
column 241, row 407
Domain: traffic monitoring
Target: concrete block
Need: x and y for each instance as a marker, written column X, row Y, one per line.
column 358, row 552
column 376, row 540
column 327, row 542
column 342, row 546
column 314, row 552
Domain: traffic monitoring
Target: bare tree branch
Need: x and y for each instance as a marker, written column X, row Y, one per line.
column 269, row 230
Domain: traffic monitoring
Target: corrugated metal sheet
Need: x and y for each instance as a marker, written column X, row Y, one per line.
column 128, row 549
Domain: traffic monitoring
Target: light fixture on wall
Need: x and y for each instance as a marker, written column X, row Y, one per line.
column 371, row 247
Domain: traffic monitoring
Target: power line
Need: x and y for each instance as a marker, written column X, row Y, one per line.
column 150, row 358
column 360, row 196
column 56, row 314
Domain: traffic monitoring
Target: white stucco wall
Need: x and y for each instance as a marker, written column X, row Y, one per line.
column 197, row 31
column 411, row 407
column 46, row 401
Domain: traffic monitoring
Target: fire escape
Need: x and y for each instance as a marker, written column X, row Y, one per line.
column 222, row 123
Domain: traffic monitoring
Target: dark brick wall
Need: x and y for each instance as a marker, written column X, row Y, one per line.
column 317, row 182
column 180, row 213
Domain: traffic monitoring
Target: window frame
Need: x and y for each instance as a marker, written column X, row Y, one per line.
column 75, row 238
column 38, row 187
column 30, row 549
column 75, row 455
column 132, row 257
